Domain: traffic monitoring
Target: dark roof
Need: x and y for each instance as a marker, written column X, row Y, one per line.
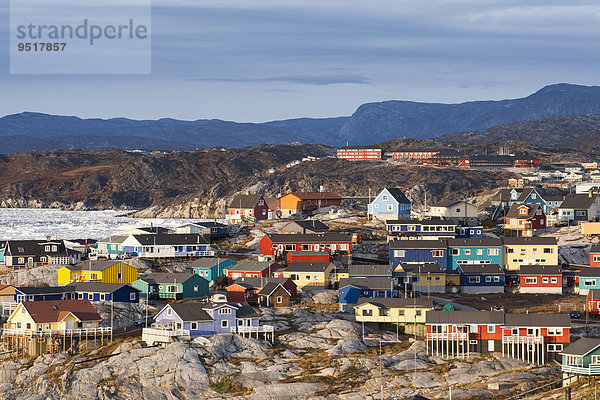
column 316, row 195
column 154, row 229
column 538, row 320
column 33, row 247
column 504, row 194
column 258, row 282
column 270, row 288
column 589, row 272
column 465, row 317
column 595, row 248
column 243, row 309
column 527, row 241
column 43, row 290
column 370, row 270
column 540, row 270
column 245, row 200
column 578, row 201
column 172, row 239
column 309, row 238
column 397, row 194
column 482, row 269
column 433, row 221
column 525, row 193
column 114, row 239
column 168, row 277
column 252, row 266
column 397, row 302
column 312, row 224
column 192, row 311
column 98, row 287
column 418, row 244
column 98, row 265
column 205, row 262
column 210, row 224
column 514, row 211
column 368, row 283
column 475, row 242
column 424, row 268
column 57, row 310
column 307, row 266
column 582, row 346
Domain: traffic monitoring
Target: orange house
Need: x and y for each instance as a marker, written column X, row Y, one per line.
column 292, row 204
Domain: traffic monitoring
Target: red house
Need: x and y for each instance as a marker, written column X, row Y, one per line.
column 247, row 289
column 278, row 245
column 248, row 206
column 535, row 338
column 541, row 279
column 525, row 217
column 248, row 269
column 595, row 256
column 594, row 301
column 307, row 256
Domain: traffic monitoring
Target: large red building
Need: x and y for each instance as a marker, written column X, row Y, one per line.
column 353, row 153
column 535, row 338
column 307, row 256
column 411, row 154
column 249, row 269
column 541, row 279
column 595, row 256
column 278, row 245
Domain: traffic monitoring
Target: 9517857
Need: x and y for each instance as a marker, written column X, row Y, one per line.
column 41, row 46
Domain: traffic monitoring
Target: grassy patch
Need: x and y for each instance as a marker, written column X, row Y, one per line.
column 227, row 384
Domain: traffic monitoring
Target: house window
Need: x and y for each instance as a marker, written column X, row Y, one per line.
column 169, row 311
column 479, row 252
column 119, row 276
column 102, row 296
column 437, row 279
column 400, row 253
column 384, row 312
column 488, row 278
column 530, row 331
column 595, row 359
column 367, row 313
column 171, row 289
column 225, row 310
column 555, row 331
column 47, row 249
column 553, row 280
column 384, row 197
column 21, row 260
column 596, row 258
column 224, row 323
column 80, row 296
column 194, row 326
column 531, row 280
column 496, row 278
column 290, row 247
column 589, row 282
column 491, row 328
column 196, row 288
column 390, row 207
column 279, row 300
column 43, row 259
column 544, row 280
column 474, row 279
column 547, row 250
column 306, row 247
column 510, row 250
column 467, row 252
column 493, row 252
column 437, row 253
column 455, row 252
column 94, row 276
column 515, row 331
column 132, row 296
column 418, row 313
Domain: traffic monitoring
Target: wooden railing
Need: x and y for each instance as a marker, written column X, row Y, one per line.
column 54, row 332
column 592, row 369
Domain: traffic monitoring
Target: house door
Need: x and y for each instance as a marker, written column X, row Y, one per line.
column 70, row 324
column 30, row 262
column 490, row 345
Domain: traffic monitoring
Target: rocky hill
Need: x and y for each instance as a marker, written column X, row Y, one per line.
column 372, row 122
column 578, row 132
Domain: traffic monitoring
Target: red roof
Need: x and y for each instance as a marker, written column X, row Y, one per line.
column 56, row 310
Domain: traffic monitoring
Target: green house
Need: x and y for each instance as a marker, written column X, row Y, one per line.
column 176, row 285
column 582, row 357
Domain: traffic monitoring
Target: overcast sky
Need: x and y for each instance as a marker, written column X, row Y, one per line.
column 260, row 60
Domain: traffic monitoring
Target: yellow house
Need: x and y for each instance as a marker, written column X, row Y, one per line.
column 398, row 311
column 537, row 250
column 425, row 278
column 313, row 274
column 52, row 315
column 105, row 271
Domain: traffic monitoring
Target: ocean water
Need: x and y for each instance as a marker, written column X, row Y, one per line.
column 25, row 223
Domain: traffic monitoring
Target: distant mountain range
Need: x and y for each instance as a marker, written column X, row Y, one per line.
column 371, row 123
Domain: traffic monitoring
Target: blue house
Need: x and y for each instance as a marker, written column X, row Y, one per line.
column 589, row 278
column 428, row 229
column 466, row 232
column 352, row 289
column 175, row 285
column 533, row 196
column 209, row 268
column 482, row 278
column 391, row 203
column 209, row 318
column 418, row 251
column 43, row 293
column 167, row 245
column 98, row 291
column 474, row 251
column 110, row 247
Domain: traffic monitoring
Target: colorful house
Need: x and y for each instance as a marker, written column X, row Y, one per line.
column 593, row 301
column 418, row 252
column 172, row 285
column 188, row 320
column 529, row 251
column 414, row 229
column 503, row 200
column 579, row 207
column 305, row 203
column 105, row 271
column 525, row 219
column 422, row 278
column 589, row 278
column 172, row 245
column 212, row 229
column 101, row 292
column 110, row 247
column 209, row 268
column 532, row 196
column 278, row 245
column 461, row 210
column 396, row 311
column 43, row 293
column 481, row 278
column 274, row 295
column 541, row 279
column 308, row 256
column 304, row 226
column 353, row 289
column 249, row 269
column 19, row 254
column 581, row 358
column 595, row 256
column 390, row 203
column 474, row 251
column 250, row 207
column 534, row 338
column 248, row 289
column 467, row 232
column 311, row 275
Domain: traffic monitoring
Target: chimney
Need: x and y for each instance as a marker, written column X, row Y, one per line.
column 49, row 238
